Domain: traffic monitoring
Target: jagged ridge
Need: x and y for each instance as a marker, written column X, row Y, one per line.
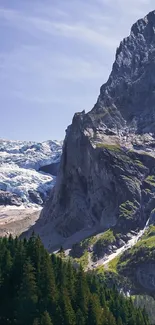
column 105, row 161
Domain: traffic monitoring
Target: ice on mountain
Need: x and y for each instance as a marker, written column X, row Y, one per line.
column 19, row 167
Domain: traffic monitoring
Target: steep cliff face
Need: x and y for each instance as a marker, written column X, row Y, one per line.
column 127, row 99
column 106, row 176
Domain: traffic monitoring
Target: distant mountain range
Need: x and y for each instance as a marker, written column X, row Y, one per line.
column 27, row 171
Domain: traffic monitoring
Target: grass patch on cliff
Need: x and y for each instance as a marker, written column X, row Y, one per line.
column 83, row 260
column 95, row 245
column 107, row 236
column 89, row 241
column 100, row 269
column 127, row 210
column 148, row 239
column 150, row 179
column 142, row 252
column 102, row 243
column 111, row 147
column 112, row 265
column 139, row 163
column 109, row 267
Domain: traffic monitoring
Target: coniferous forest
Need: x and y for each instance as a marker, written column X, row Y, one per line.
column 40, row 289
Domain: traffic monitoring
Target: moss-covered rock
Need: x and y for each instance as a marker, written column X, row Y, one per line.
column 111, row 147
column 104, row 243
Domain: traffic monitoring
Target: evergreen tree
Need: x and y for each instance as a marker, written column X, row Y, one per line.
column 119, row 322
column 45, row 319
column 58, row 317
column 48, row 292
column 27, row 296
column 61, row 252
column 39, row 289
column 67, row 310
column 94, row 311
column 80, row 319
column 36, row 321
column 82, row 291
column 70, row 283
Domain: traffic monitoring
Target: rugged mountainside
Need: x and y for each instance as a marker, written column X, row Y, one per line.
column 27, row 171
column 107, row 175
column 102, row 207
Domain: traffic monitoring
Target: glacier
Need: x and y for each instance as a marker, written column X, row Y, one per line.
column 20, row 163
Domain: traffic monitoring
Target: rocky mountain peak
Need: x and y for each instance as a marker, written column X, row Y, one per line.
column 145, row 26
column 134, row 50
column 127, row 97
column 106, row 176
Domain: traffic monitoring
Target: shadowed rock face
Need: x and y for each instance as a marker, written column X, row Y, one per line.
column 7, row 198
column 146, row 276
column 51, row 169
column 103, row 178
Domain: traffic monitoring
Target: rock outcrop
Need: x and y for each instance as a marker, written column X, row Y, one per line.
column 7, row 198
column 51, row 169
column 107, row 174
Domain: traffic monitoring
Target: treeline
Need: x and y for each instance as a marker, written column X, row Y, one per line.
column 40, row 289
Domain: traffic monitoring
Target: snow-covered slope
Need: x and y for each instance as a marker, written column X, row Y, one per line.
column 20, row 174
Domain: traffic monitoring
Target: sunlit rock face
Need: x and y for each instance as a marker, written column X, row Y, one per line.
column 107, row 174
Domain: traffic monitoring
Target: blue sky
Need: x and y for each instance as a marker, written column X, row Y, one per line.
column 54, row 56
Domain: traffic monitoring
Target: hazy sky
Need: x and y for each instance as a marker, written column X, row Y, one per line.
column 54, row 56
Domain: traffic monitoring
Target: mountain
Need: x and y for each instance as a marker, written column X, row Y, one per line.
column 107, row 176
column 27, row 171
column 102, row 205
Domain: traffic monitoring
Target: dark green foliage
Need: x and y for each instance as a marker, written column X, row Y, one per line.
column 61, row 252
column 39, row 289
column 27, row 296
column 45, row 319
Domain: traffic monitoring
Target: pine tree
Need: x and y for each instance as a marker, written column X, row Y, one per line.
column 102, row 297
column 27, row 296
column 111, row 319
column 94, row 311
column 39, row 289
column 82, row 292
column 61, row 252
column 70, row 284
column 119, row 322
column 107, row 317
column 80, row 319
column 67, row 310
column 47, row 286
column 6, row 307
column 6, row 264
column 36, row 321
column 58, row 317
column 45, row 319
column 139, row 318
